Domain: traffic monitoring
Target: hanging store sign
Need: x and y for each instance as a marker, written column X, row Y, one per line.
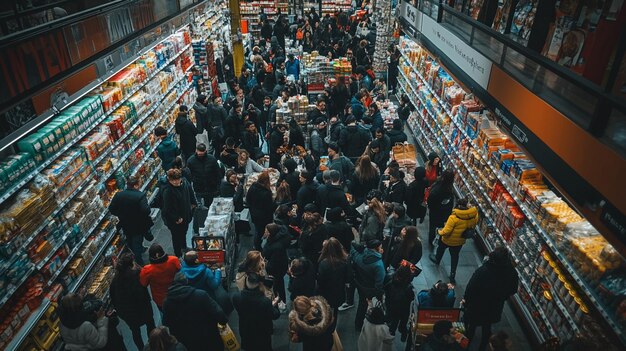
column 410, row 17
column 477, row 66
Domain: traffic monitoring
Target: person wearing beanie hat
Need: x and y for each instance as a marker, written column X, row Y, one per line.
column 256, row 315
column 339, row 162
column 192, row 316
column 369, row 275
column 159, row 274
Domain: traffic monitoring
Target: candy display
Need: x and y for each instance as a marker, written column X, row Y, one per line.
column 573, row 280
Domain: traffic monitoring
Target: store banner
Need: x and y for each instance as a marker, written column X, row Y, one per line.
column 477, row 66
column 410, row 17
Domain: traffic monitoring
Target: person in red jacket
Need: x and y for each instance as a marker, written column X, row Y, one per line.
column 159, row 274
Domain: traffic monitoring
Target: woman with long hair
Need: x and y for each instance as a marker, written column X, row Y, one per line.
column 463, row 217
column 433, row 168
column 414, row 200
column 409, row 247
column 283, row 194
column 160, row 339
column 334, row 273
column 83, row 330
column 399, row 294
column 245, row 165
column 374, row 218
column 275, row 252
column 310, row 323
column 366, row 177
column 440, row 203
column 253, row 263
column 261, row 204
column 313, row 236
column 130, row 298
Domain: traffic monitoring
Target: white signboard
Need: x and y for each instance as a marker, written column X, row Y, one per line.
column 473, row 63
column 411, row 15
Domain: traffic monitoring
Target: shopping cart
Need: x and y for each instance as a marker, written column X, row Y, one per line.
column 211, row 249
column 422, row 320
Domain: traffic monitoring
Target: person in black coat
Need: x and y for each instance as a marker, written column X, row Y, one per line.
column 277, row 139
column 301, row 278
column 131, row 299
column 192, row 316
column 229, row 154
column 440, row 203
column 230, row 187
column 256, row 315
column 334, row 273
column 397, row 134
column 415, row 195
column 405, row 109
column 132, row 209
column 407, row 246
column 487, row 290
column 338, row 228
column 217, row 117
column 261, row 204
column 178, row 202
column 205, row 174
column 396, row 190
column 187, row 132
column 353, row 139
column 275, row 252
column 202, row 114
column 307, row 192
column 233, row 126
column 332, row 195
column 296, row 135
column 312, row 238
column 291, row 176
column 251, row 141
column 399, row 294
column 266, row 30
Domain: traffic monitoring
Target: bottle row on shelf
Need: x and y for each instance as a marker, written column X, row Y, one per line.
column 586, row 278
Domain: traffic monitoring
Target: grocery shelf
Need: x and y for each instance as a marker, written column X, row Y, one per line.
column 79, row 137
column 588, row 291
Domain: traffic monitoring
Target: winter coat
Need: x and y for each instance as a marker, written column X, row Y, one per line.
column 369, row 271
column 159, row 276
column 395, row 192
column 332, row 280
column 250, row 142
column 331, row 196
column 440, row 204
column 375, row 337
column 335, row 131
column 318, row 146
column 311, row 242
column 275, row 252
column 343, row 165
column 459, row 220
column 359, row 188
column 293, row 179
column 230, row 159
column 131, row 299
column 233, row 126
column 370, row 228
column 398, row 298
column 133, row 211
column 217, row 115
column 167, row 151
column 414, row 198
column 296, row 137
column 316, row 334
column 315, row 113
column 201, row 277
column 396, row 136
column 205, row 173
column 306, row 195
column 192, row 317
column 260, row 202
column 487, row 290
column 385, row 145
column 202, row 117
column 377, row 122
column 404, row 112
column 358, row 109
column 177, row 202
column 293, row 68
column 394, row 255
column 342, row 231
column 353, row 140
column 256, row 316
column 426, row 301
column 187, row 131
column 380, row 158
column 228, row 190
column 303, row 284
column 82, row 335
column 250, row 167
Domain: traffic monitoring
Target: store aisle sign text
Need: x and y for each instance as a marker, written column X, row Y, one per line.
column 474, row 64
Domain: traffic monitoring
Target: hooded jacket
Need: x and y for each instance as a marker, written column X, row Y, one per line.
column 256, row 314
column 159, row 276
column 293, row 68
column 353, row 140
column 201, row 277
column 369, row 271
column 316, row 334
column 396, row 136
column 79, row 334
column 331, row 196
column 260, row 202
column 358, row 109
column 131, row 299
column 187, row 131
column 177, row 201
column 167, row 151
column 205, row 173
column 415, row 195
column 459, row 220
column 275, row 252
column 192, row 316
column 343, row 165
column 370, row 228
column 332, row 280
column 202, row 117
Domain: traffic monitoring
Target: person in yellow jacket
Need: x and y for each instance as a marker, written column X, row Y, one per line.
column 462, row 218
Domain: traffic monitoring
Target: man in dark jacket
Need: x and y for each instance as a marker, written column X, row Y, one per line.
column 202, row 114
column 205, row 174
column 336, row 127
column 266, row 30
column 229, row 154
column 187, row 132
column 369, row 275
column 256, row 315
column 291, row 176
column 178, row 203
column 266, row 116
column 396, row 190
column 250, row 141
column 353, row 140
column 167, row 149
column 487, row 290
column 332, row 195
column 318, row 112
column 132, row 209
column 338, row 228
column 397, row 134
column 307, row 192
column 280, row 86
column 217, row 117
column 339, row 163
column 358, row 108
column 233, row 127
column 192, row 316
column 276, row 141
column 440, row 203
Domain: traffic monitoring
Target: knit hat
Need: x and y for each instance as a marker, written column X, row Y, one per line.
column 333, row 146
column 432, row 156
column 157, row 254
column 334, row 214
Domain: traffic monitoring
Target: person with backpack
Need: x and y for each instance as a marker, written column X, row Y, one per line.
column 167, row 149
column 454, row 234
column 374, row 218
column 440, row 203
column 339, row 162
column 187, row 132
column 353, row 139
column 369, row 275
